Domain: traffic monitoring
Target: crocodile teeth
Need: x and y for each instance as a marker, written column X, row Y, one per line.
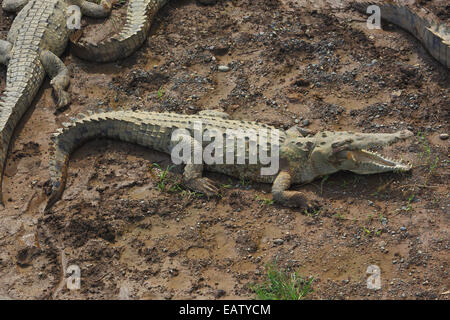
column 374, row 158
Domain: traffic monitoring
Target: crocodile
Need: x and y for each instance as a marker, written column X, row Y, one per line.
column 140, row 14
column 301, row 158
column 433, row 34
column 38, row 36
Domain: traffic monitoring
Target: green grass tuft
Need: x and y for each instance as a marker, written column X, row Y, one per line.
column 282, row 286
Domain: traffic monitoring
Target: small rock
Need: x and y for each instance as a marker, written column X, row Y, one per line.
column 397, row 93
column 278, row 241
column 443, row 136
column 224, row 68
column 219, row 293
column 305, row 122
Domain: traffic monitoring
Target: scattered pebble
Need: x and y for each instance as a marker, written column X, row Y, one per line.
column 224, row 68
column 278, row 241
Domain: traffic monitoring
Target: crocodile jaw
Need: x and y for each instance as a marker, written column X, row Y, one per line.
column 368, row 162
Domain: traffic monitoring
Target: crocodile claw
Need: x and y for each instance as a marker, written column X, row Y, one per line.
column 63, row 98
column 203, row 185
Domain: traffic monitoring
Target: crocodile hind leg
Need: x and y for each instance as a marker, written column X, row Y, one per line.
column 13, row 5
column 59, row 75
column 283, row 196
column 5, row 49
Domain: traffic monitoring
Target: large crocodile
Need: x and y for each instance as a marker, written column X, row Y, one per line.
column 139, row 18
column 433, row 34
column 301, row 159
column 38, row 36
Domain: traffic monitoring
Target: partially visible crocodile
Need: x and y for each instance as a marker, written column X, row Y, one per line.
column 38, row 36
column 301, row 159
column 139, row 18
column 434, row 35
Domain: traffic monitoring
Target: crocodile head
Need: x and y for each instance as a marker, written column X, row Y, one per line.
column 334, row 151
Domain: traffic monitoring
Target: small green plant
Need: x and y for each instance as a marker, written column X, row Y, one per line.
column 432, row 167
column 339, row 216
column 410, row 201
column 367, row 231
column 313, row 213
column 282, row 286
column 266, row 202
column 425, row 155
column 244, row 182
column 191, row 194
column 160, row 92
column 176, row 187
column 162, row 176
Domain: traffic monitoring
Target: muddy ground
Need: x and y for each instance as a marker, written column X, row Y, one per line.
column 292, row 62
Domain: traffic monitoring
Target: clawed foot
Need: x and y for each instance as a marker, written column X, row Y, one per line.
column 203, row 185
column 59, row 83
column 63, row 99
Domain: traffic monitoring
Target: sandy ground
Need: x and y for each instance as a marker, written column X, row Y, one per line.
column 292, row 62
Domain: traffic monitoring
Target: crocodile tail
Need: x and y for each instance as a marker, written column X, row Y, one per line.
column 435, row 36
column 118, row 125
column 11, row 111
column 5, row 137
column 15, row 101
column 62, row 143
column 140, row 15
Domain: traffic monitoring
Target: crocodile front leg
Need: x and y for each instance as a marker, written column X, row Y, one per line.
column 287, row 198
column 13, row 5
column 59, row 75
column 5, row 50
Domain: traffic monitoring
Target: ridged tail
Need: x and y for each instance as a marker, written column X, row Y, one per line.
column 118, row 125
column 434, row 36
column 140, row 15
column 17, row 97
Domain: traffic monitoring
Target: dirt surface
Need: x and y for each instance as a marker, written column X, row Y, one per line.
column 292, row 62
